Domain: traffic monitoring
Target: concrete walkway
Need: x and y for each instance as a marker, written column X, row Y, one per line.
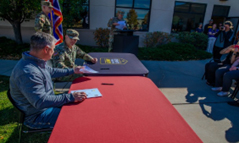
column 210, row 116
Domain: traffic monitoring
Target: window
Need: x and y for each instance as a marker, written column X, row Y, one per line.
column 76, row 14
column 139, row 8
column 187, row 16
column 220, row 13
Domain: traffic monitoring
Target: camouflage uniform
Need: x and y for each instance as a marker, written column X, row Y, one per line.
column 42, row 22
column 113, row 29
column 65, row 57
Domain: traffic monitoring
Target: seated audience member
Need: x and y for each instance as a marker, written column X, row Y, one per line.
column 211, row 67
column 66, row 52
column 31, row 85
column 225, row 75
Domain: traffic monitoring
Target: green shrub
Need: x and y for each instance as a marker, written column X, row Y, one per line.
column 169, row 52
column 154, row 39
column 101, row 37
column 173, row 52
column 10, row 49
column 198, row 40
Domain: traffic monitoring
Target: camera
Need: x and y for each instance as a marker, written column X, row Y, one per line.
column 222, row 28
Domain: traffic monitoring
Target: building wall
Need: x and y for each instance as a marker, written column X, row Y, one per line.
column 102, row 10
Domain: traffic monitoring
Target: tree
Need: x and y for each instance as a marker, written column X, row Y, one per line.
column 73, row 11
column 146, row 18
column 16, row 11
column 132, row 18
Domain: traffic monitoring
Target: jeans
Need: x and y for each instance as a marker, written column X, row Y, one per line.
column 46, row 119
column 224, row 78
column 211, row 41
column 210, row 69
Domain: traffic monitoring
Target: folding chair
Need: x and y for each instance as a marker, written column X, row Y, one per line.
column 205, row 72
column 235, row 90
column 21, row 120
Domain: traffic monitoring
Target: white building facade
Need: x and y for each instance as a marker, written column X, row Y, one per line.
column 163, row 15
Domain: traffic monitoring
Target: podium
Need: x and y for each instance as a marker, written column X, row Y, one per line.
column 125, row 42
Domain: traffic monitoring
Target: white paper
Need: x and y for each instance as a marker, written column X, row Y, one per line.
column 87, row 69
column 90, row 93
column 121, row 25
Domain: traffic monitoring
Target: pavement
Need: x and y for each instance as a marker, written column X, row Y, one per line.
column 213, row 120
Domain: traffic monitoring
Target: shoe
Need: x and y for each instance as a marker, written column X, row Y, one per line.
column 233, row 103
column 216, row 88
column 222, row 93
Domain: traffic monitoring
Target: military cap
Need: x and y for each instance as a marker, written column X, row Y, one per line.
column 46, row 3
column 73, row 34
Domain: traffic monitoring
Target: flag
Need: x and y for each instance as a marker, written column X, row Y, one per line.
column 56, row 18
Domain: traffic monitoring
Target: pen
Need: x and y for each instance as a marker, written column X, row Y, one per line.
column 107, row 83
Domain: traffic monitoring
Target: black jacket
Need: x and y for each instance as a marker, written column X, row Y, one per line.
column 206, row 28
column 226, row 37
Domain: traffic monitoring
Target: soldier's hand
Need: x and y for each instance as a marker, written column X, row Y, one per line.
column 78, row 69
column 79, row 96
column 115, row 24
column 94, row 60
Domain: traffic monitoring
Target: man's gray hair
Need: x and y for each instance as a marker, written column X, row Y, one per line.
column 39, row 40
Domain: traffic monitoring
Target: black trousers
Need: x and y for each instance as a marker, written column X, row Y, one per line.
column 216, row 53
column 210, row 69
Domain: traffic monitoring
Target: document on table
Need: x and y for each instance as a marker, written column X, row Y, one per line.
column 94, row 92
column 121, row 25
column 87, row 69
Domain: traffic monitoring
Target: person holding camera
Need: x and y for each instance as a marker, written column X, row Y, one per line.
column 223, row 40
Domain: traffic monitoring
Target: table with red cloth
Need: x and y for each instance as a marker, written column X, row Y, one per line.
column 131, row 110
column 112, row 64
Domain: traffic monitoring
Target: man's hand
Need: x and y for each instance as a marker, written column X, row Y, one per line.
column 233, row 68
column 77, row 69
column 94, row 60
column 79, row 96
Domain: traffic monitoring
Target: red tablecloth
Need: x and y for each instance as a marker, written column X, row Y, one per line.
column 132, row 110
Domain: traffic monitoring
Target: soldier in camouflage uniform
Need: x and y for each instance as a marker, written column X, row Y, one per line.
column 42, row 21
column 66, row 52
column 113, row 23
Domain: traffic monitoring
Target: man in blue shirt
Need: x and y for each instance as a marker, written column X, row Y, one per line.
column 31, row 85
